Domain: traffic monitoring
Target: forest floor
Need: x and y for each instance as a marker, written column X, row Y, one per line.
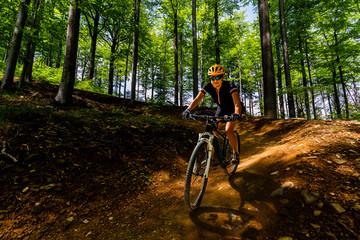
column 108, row 168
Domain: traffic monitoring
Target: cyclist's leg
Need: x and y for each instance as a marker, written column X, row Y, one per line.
column 217, row 135
column 229, row 130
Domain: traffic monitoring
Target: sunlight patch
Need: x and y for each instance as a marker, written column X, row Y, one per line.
column 248, row 206
column 347, row 170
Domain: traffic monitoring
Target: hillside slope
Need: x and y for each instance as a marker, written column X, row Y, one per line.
column 108, row 168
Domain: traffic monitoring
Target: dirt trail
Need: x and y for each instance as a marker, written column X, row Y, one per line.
column 231, row 208
column 242, row 207
column 94, row 179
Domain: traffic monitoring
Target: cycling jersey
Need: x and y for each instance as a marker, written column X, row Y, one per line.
column 222, row 97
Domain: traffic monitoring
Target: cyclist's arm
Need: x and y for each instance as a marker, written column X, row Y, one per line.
column 196, row 101
column 237, row 102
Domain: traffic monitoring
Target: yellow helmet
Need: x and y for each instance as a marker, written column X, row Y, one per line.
column 216, row 70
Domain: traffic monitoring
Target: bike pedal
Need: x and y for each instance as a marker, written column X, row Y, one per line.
column 215, row 164
column 224, row 164
column 235, row 161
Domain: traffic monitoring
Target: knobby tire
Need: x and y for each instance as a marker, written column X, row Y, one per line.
column 195, row 182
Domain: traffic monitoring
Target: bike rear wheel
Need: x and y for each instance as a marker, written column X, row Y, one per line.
column 195, row 181
column 229, row 167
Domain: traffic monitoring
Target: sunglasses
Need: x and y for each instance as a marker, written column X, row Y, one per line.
column 216, row 78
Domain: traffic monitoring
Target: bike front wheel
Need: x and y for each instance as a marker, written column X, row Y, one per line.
column 195, row 181
column 230, row 168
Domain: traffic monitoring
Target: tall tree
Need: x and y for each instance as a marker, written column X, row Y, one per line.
column 174, row 4
column 94, row 34
column 279, row 79
column 92, row 15
column 217, row 42
column 201, row 57
column 116, row 32
column 114, row 48
column 8, row 79
column 195, row 51
column 135, row 48
column 126, row 65
column 336, row 94
column 290, row 96
column 303, row 73
column 343, row 84
column 267, row 61
column 181, row 84
column 310, row 80
column 66, row 87
column 26, row 74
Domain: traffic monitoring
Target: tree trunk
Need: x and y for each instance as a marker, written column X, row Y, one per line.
column 286, row 60
column 145, row 91
column 279, row 81
column 310, row 81
column 8, row 79
column 8, row 42
column 137, row 89
column 176, row 59
column 84, row 69
column 49, row 57
column 299, row 107
column 162, row 94
column 111, row 69
column 58, row 58
column 267, row 61
column 303, row 72
column 240, row 81
column 202, row 55
column 135, row 48
column 117, row 82
column 251, row 104
column 195, row 52
column 343, row 84
column 66, row 87
column 94, row 36
column 217, row 43
column 26, row 74
column 181, row 70
column 329, row 103
column 126, row 66
column 153, row 70
column 353, row 99
column 324, row 103
column 336, row 96
column 355, row 92
column 261, row 97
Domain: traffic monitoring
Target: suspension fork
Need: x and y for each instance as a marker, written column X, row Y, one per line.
column 213, row 144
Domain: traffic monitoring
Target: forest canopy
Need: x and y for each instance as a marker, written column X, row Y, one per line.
column 160, row 51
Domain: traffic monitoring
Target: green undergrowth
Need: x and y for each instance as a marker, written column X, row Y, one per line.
column 111, row 149
column 16, row 107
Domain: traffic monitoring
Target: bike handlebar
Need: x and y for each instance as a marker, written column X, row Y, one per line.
column 224, row 118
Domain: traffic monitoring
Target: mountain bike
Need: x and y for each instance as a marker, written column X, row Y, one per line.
column 211, row 143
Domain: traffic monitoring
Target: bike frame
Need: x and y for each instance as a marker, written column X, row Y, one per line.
column 209, row 137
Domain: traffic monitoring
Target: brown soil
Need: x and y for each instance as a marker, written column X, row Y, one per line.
column 119, row 174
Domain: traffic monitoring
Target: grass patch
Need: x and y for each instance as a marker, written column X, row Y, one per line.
column 22, row 112
column 47, row 74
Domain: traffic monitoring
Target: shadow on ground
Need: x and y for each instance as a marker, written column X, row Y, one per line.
column 251, row 212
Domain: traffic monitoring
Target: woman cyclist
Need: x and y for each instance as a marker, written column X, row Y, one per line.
column 226, row 95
